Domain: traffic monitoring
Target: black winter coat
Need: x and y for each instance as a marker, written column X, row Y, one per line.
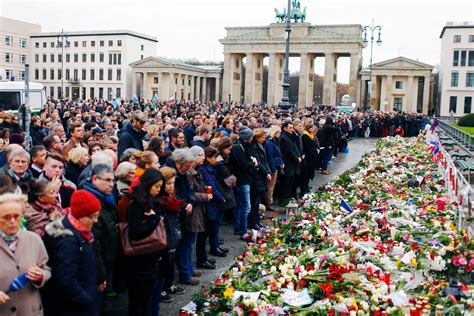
column 72, row 287
column 223, row 172
column 130, row 138
column 259, row 184
column 241, row 163
column 290, row 153
column 311, row 152
column 327, row 135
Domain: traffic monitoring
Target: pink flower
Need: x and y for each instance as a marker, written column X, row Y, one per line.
column 471, row 262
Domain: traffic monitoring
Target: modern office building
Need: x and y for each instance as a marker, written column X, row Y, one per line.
column 456, row 72
column 15, row 47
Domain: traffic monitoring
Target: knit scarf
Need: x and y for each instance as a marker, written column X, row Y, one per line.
column 49, row 208
column 10, row 240
column 81, row 229
column 309, row 135
column 109, row 200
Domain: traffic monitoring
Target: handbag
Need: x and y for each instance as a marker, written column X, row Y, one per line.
column 230, row 181
column 155, row 242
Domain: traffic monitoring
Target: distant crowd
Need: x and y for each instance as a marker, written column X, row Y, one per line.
column 101, row 198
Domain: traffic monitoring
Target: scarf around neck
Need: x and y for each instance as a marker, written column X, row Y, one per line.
column 309, row 135
column 10, row 240
column 81, row 229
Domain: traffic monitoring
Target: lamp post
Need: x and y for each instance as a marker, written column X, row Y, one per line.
column 285, row 100
column 372, row 28
column 60, row 43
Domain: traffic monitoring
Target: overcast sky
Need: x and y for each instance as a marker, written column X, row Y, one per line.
column 191, row 28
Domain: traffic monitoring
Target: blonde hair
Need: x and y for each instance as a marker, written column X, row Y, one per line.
column 76, row 154
column 144, row 158
column 168, row 173
column 258, row 133
column 13, row 197
column 151, row 130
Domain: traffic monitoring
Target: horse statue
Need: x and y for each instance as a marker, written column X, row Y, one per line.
column 280, row 17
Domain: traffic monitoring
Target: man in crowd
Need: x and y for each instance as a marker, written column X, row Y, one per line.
column 191, row 129
column 176, row 137
column 77, row 132
column 292, row 157
column 18, row 162
column 53, row 169
column 132, row 134
column 38, row 158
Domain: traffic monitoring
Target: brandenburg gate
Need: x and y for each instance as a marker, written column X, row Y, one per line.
column 307, row 42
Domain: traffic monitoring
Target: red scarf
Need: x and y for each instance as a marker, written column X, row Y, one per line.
column 83, row 231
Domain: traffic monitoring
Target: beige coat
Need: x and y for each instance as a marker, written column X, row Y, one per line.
column 30, row 251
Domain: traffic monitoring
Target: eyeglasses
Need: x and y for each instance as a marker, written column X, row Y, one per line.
column 9, row 217
column 106, row 180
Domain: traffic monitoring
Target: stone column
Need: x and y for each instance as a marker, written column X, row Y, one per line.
column 198, row 89
column 249, row 78
column 373, row 93
column 192, row 88
column 411, row 106
column 258, row 80
column 187, row 85
column 217, row 89
column 146, row 88
column 279, row 77
column 272, row 70
column 353, row 75
column 305, row 90
column 204, row 89
column 134, row 85
column 227, row 78
column 329, row 67
column 389, row 96
column 426, row 95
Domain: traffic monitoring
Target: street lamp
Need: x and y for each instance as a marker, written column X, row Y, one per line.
column 372, row 28
column 285, row 100
column 60, row 43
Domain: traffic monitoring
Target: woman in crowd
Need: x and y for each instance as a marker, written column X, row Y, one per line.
column 143, row 218
column 311, row 152
column 129, row 155
column 21, row 253
column 78, row 159
column 259, row 185
column 69, row 240
column 275, row 163
column 227, row 181
column 124, row 174
column 327, row 141
column 226, row 126
column 43, row 205
column 157, row 145
column 145, row 160
column 94, row 147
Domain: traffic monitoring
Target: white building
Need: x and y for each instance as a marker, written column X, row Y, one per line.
column 456, row 75
column 15, row 47
column 91, row 64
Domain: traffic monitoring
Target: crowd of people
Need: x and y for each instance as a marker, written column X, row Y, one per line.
column 84, row 192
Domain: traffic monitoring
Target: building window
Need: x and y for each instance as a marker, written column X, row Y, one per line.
column 51, row 92
column 189, row 83
column 60, row 74
column 37, row 58
column 75, row 75
column 84, row 58
column 398, row 84
column 76, row 43
column 470, row 79
column 68, row 74
column 119, row 42
column 8, row 73
column 44, row 74
column 463, row 57
column 119, row 74
column 92, row 76
column 37, row 74
column 470, row 59
column 51, row 74
column 37, row 45
column 92, row 58
column 44, row 58
column 60, row 58
column 467, row 104
column 175, row 81
column 118, row 93
column 119, row 57
column 182, row 82
column 68, row 44
column 84, row 74
column 454, row 79
column 155, row 80
column 452, row 104
column 67, row 92
column 101, row 74
column 76, row 58
column 92, row 43
column 142, row 47
column 141, row 56
column 84, row 43
column 109, row 74
column 45, row 44
column 115, row 59
column 22, row 59
column 60, row 93
column 109, row 94
column 101, row 57
column 101, row 93
column 398, row 104
column 457, row 38
column 456, row 58
column 51, row 57
column 110, row 59
column 111, row 43
column 101, row 43
column 22, row 75
column 8, row 57
column 471, row 38
column 23, row 42
column 68, row 58
column 51, row 44
column 8, row 40
column 91, row 93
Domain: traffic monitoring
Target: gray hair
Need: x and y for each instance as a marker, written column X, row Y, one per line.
column 100, row 169
column 124, row 168
column 182, row 155
column 54, row 127
column 101, row 158
column 196, row 151
column 19, row 152
column 127, row 154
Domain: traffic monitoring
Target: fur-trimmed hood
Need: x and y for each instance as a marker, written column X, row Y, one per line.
column 57, row 229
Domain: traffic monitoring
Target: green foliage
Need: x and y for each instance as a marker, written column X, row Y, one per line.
column 467, row 120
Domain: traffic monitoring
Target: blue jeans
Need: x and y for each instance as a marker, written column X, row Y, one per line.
column 184, row 260
column 213, row 231
column 242, row 208
column 327, row 156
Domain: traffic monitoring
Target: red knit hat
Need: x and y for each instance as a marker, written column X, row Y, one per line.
column 84, row 203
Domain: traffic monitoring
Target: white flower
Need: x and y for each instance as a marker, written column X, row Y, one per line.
column 438, row 264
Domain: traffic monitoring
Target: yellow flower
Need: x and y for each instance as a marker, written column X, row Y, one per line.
column 229, row 292
column 277, row 241
column 243, row 269
column 399, row 262
column 414, row 262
